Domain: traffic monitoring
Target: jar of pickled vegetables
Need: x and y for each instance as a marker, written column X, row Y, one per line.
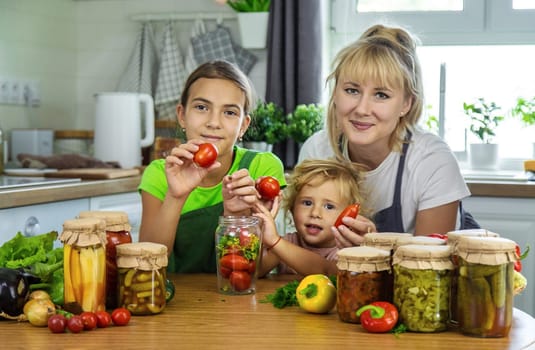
column 117, row 232
column 238, row 241
column 485, row 286
column 142, row 276
column 422, row 279
column 453, row 239
column 84, row 264
column 364, row 276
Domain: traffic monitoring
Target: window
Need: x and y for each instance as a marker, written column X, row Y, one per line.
column 484, row 46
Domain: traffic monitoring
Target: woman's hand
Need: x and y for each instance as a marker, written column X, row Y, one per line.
column 352, row 232
column 239, row 193
column 182, row 174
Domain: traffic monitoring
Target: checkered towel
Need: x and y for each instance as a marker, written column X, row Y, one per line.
column 141, row 71
column 171, row 76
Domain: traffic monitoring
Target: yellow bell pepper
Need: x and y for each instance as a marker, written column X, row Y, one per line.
column 316, row 294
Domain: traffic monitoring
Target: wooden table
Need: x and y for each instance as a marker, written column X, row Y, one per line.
column 200, row 318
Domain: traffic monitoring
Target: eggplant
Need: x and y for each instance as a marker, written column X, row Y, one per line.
column 15, row 290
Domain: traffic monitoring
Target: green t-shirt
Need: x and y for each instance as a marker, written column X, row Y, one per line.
column 194, row 248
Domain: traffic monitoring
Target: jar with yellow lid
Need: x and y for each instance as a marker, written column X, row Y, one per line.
column 422, row 279
column 453, row 239
column 364, row 276
column 84, row 264
column 485, row 285
column 142, row 276
column 117, row 232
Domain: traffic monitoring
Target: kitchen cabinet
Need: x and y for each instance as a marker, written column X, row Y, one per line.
column 41, row 218
column 512, row 218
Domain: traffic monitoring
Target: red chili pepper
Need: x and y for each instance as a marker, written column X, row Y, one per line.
column 520, row 256
column 438, row 235
column 378, row 317
column 351, row 210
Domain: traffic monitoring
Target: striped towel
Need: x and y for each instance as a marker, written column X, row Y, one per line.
column 171, row 76
column 141, row 71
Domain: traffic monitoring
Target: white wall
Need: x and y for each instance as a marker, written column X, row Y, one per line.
column 78, row 48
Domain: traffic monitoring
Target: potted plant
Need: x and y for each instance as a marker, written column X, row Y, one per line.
column 251, row 14
column 268, row 126
column 484, row 118
column 305, row 121
column 525, row 110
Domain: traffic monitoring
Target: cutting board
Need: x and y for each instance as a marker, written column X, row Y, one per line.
column 94, row 173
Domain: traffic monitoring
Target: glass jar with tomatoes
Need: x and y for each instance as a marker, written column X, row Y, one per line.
column 84, row 264
column 485, row 286
column 422, row 280
column 453, row 238
column 238, row 242
column 117, row 232
column 142, row 277
column 364, row 276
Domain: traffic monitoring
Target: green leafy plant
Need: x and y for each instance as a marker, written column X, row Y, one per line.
column 484, row 118
column 268, row 124
column 248, row 5
column 525, row 110
column 305, row 121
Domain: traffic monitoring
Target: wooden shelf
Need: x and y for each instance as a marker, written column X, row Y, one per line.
column 165, row 124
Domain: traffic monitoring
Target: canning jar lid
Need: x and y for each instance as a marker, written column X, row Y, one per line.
column 363, row 259
column 383, row 240
column 423, row 257
column 115, row 220
column 84, row 232
column 421, row 240
column 486, row 250
column 454, row 236
column 142, row 255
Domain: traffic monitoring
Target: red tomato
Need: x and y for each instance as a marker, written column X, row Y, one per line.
column 75, row 324
column 245, row 238
column 103, row 319
column 120, row 316
column 252, row 267
column 240, row 280
column 234, row 262
column 225, row 271
column 89, row 319
column 351, row 210
column 57, row 323
column 268, row 187
column 206, row 155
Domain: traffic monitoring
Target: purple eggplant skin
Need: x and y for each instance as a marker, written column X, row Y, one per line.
column 14, row 290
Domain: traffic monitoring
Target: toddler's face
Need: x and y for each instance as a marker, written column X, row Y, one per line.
column 315, row 210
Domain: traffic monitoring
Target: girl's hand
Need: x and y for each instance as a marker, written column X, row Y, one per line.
column 239, row 193
column 182, row 174
column 351, row 233
column 269, row 233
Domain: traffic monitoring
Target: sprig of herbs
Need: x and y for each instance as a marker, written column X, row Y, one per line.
column 283, row 296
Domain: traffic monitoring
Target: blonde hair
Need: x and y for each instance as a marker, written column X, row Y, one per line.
column 346, row 175
column 386, row 55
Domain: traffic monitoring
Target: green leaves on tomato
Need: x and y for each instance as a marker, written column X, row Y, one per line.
column 206, row 155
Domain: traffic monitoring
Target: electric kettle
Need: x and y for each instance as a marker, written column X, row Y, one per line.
column 120, row 119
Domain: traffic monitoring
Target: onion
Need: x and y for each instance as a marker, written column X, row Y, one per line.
column 39, row 294
column 37, row 311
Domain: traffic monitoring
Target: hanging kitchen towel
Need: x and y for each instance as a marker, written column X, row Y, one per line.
column 244, row 58
column 142, row 69
column 171, row 76
column 190, row 63
column 216, row 44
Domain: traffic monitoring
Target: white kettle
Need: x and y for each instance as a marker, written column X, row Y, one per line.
column 119, row 122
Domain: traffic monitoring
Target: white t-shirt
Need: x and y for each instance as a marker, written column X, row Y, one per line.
column 431, row 176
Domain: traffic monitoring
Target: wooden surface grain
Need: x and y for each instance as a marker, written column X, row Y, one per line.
column 201, row 318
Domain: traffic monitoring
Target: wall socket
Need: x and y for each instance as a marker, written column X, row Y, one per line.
column 20, row 92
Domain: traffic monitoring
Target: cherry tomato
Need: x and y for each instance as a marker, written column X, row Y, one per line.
column 234, row 262
column 245, row 238
column 240, row 280
column 120, row 316
column 268, row 187
column 225, row 271
column 75, row 324
column 57, row 323
column 206, row 155
column 252, row 267
column 103, row 319
column 89, row 319
column 351, row 210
